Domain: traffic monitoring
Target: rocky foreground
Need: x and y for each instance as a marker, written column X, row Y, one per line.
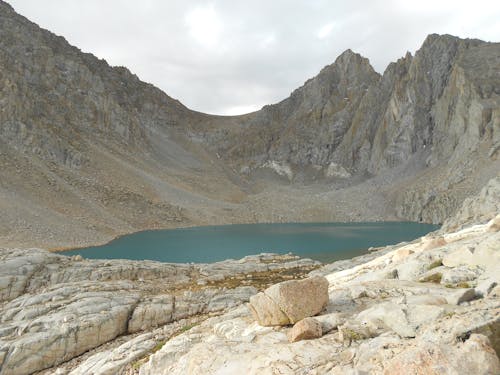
column 431, row 306
column 55, row 308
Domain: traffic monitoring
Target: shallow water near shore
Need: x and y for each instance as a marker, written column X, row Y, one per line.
column 322, row 241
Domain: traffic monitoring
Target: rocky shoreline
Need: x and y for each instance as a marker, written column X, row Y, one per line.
column 387, row 316
column 438, row 294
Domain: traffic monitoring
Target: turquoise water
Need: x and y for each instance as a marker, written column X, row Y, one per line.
column 322, row 241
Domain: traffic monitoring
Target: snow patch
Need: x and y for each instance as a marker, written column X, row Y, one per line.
column 282, row 169
column 335, row 170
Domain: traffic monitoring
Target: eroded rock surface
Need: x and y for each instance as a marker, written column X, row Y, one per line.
column 54, row 308
column 89, row 152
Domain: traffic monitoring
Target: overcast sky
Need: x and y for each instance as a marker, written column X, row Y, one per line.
column 234, row 56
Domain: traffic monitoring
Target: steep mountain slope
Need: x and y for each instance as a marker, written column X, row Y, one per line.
column 88, row 151
column 435, row 113
column 85, row 145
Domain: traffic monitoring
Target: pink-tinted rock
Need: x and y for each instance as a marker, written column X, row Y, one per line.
column 290, row 301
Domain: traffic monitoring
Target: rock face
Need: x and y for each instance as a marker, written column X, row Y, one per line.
column 407, row 120
column 479, row 208
column 290, row 301
column 126, row 157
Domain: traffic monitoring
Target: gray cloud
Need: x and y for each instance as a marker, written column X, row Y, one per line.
column 233, row 56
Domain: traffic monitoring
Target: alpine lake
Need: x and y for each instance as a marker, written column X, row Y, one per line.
column 325, row 242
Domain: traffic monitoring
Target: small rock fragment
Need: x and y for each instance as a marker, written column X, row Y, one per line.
column 461, row 296
column 485, row 287
column 305, row 329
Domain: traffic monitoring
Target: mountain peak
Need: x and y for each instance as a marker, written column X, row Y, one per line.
column 3, row 4
column 349, row 54
column 350, row 60
column 440, row 40
column 6, row 10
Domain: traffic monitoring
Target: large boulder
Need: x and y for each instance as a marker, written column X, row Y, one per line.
column 290, row 301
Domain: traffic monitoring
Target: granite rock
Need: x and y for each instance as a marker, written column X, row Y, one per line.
column 290, row 301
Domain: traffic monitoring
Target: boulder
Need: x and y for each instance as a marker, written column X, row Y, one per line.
column 485, row 287
column 401, row 254
column 290, row 301
column 484, row 254
column 266, row 311
column 494, row 224
column 305, row 329
column 429, row 243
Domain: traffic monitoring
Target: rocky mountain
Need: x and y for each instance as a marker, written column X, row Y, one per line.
column 434, row 114
column 89, row 152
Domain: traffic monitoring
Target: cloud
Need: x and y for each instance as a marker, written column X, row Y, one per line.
column 325, row 30
column 226, row 56
column 204, row 25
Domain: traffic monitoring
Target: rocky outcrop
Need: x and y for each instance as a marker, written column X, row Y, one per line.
column 405, row 125
column 381, row 310
column 475, row 356
column 290, row 301
column 55, row 308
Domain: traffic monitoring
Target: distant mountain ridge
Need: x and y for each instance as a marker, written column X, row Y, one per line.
column 88, row 151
